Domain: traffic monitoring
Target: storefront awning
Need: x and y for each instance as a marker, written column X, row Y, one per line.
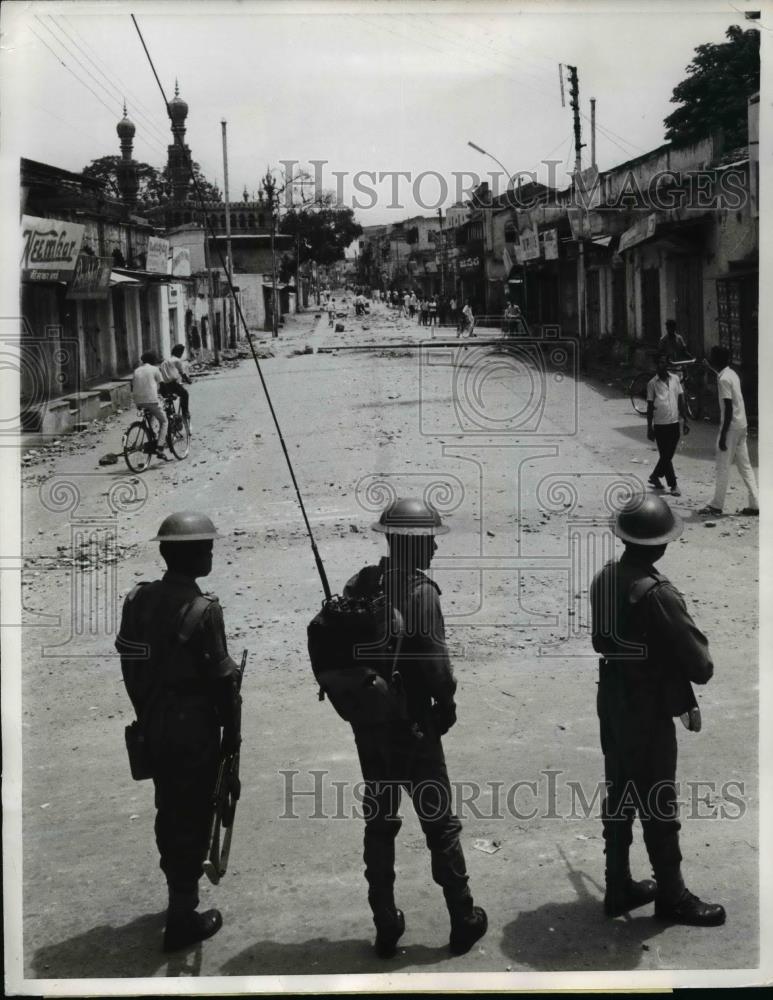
column 122, row 279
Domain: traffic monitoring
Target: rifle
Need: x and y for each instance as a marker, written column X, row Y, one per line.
column 226, row 795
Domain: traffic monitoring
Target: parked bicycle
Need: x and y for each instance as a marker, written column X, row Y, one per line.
column 140, row 440
column 689, row 376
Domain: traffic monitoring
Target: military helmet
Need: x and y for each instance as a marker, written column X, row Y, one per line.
column 410, row 517
column 186, row 526
column 647, row 520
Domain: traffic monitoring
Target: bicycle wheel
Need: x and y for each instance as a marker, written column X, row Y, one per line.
column 638, row 392
column 178, row 437
column 692, row 398
column 136, row 447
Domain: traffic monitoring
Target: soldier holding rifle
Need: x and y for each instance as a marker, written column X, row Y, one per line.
column 184, row 689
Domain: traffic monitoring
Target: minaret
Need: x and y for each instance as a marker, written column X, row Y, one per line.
column 179, row 155
column 128, row 182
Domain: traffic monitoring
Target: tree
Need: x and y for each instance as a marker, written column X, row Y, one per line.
column 713, row 96
column 153, row 183
column 325, row 229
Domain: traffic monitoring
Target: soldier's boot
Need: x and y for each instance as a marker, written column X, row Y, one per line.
column 390, row 927
column 624, row 894
column 468, row 922
column 184, row 924
column 677, row 905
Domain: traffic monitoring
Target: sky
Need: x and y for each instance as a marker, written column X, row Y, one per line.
column 362, row 87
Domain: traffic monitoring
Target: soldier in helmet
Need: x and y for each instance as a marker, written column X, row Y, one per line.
column 651, row 652
column 408, row 753
column 183, row 686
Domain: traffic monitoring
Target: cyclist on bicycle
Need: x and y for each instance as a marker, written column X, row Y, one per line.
column 673, row 345
column 174, row 372
column 145, row 383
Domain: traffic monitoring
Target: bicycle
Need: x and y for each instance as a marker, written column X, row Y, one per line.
column 139, row 439
column 690, row 387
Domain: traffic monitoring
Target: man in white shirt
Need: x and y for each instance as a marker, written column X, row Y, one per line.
column 731, row 444
column 665, row 405
column 145, row 382
column 174, row 372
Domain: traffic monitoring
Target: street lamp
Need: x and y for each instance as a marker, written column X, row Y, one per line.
column 491, row 156
column 479, row 149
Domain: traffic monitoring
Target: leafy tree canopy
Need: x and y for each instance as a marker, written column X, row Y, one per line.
column 713, row 96
column 325, row 230
column 152, row 182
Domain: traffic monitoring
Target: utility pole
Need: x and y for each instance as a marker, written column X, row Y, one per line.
column 210, row 302
column 593, row 131
column 228, row 257
column 574, row 103
column 442, row 255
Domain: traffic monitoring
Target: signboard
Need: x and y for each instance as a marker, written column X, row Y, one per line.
column 158, row 252
column 49, row 249
column 640, row 231
column 92, row 277
column 469, row 263
column 550, row 244
column 530, row 244
column 181, row 261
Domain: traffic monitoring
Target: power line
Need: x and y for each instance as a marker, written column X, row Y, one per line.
column 109, row 96
column 264, row 385
column 505, row 60
column 486, row 51
column 136, row 102
column 148, row 138
column 122, row 92
column 63, row 63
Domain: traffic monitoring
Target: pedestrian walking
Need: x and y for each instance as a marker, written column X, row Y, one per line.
column 183, row 686
column 453, row 319
column 413, row 303
column 146, row 380
column 331, row 312
column 408, row 752
column 467, row 323
column 174, row 372
column 432, row 311
column 665, row 407
column 651, row 654
column 732, row 445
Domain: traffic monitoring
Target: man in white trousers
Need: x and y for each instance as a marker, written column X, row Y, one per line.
column 731, row 446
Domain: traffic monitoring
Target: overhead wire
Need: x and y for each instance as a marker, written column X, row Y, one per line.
column 148, row 139
column 208, row 228
column 63, row 63
column 474, row 57
column 122, row 91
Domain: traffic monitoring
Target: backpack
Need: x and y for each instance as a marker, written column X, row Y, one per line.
column 354, row 643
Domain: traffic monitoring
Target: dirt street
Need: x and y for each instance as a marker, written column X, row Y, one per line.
column 519, row 456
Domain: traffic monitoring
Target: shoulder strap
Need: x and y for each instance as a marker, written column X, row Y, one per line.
column 192, row 617
column 135, row 590
column 646, row 585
